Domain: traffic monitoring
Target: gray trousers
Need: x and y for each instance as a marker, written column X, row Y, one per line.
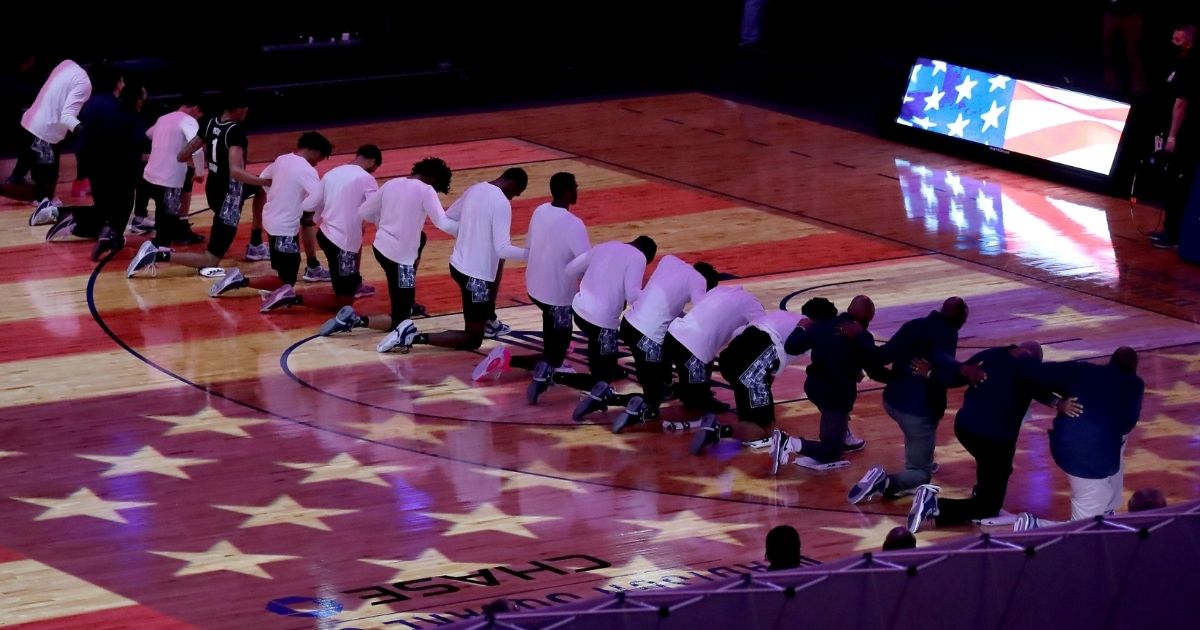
column 920, row 434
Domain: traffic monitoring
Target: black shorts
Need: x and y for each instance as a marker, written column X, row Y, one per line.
column 477, row 297
column 748, row 365
column 343, row 267
column 285, row 257
column 225, row 198
column 42, row 157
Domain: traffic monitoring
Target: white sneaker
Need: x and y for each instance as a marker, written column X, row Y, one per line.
column 401, row 338
column 758, row 444
column 676, row 425
column 804, row 461
column 344, row 321
column 45, row 213
column 258, row 252
column 872, row 484
column 1025, row 522
column 852, row 443
column 233, row 279
column 495, row 328
column 924, row 506
column 143, row 259
column 317, row 274
column 779, row 451
column 282, row 297
column 141, row 225
column 493, row 364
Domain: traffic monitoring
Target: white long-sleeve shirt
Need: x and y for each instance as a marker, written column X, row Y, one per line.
column 612, row 278
column 670, row 288
column 555, row 238
column 295, row 189
column 170, row 133
column 399, row 210
column 343, row 190
column 712, row 322
column 55, row 111
column 484, row 218
column 778, row 325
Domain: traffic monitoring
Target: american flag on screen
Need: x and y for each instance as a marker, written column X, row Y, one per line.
column 1019, row 116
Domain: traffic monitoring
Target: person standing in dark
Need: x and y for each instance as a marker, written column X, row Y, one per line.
column 987, row 425
column 1179, row 133
column 1123, row 68
column 19, row 87
column 916, row 403
column 1089, row 447
column 841, row 350
column 783, row 548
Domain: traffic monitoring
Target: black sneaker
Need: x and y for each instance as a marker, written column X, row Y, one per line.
column 65, row 223
column 712, row 405
column 419, row 310
column 543, row 374
column 109, row 241
column 594, row 401
column 1164, row 242
column 708, row 435
column 187, row 236
column 633, row 414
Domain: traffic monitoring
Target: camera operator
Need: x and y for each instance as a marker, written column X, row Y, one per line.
column 1180, row 140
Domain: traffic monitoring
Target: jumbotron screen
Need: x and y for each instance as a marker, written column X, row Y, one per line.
column 1062, row 126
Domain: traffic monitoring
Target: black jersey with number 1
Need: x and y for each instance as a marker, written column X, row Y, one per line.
column 219, row 135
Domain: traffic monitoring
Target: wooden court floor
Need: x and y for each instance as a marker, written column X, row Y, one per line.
column 172, row 461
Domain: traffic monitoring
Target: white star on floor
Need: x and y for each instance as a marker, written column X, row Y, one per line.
column 1068, row 317
column 82, row 502
column 689, row 525
column 1144, row 460
column 450, row 389
column 222, row 556
column 916, row 70
column 489, row 518
column 999, row 82
column 992, row 117
column 284, row 511
column 637, row 565
column 1180, row 393
column 957, row 127
column 1163, row 425
column 733, row 481
column 403, row 427
column 344, row 467
column 208, row 419
column 964, row 88
column 1191, row 360
column 589, row 436
column 431, row 562
column 518, row 480
column 938, row 66
column 147, row 460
